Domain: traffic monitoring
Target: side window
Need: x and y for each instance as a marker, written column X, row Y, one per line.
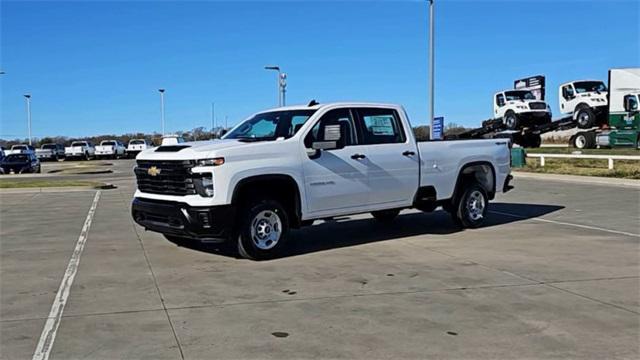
column 296, row 123
column 332, row 117
column 500, row 100
column 630, row 102
column 380, row 126
column 567, row 92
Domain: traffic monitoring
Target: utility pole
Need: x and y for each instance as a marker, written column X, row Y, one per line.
column 431, row 67
column 28, row 98
column 162, row 109
column 225, row 122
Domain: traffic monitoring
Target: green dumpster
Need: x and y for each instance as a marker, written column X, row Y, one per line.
column 518, row 157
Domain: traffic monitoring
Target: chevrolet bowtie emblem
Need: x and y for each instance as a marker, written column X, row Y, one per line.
column 154, row 171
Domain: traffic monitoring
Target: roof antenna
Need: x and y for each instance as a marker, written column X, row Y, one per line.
column 313, row 103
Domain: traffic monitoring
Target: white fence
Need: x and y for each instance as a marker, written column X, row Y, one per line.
column 610, row 158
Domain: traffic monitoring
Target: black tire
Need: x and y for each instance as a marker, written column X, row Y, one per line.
column 259, row 221
column 471, row 206
column 584, row 140
column 39, row 171
column 531, row 141
column 385, row 216
column 511, row 120
column 638, row 143
column 585, row 118
column 86, row 156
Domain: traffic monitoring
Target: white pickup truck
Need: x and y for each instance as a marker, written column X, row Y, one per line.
column 20, row 149
column 136, row 146
column 285, row 168
column 80, row 149
column 110, row 149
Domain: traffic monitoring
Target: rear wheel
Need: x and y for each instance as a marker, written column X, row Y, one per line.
column 385, row 216
column 584, row 140
column 470, row 210
column 511, row 120
column 263, row 231
column 586, row 118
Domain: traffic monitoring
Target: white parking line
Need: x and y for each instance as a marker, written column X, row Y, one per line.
column 567, row 224
column 48, row 335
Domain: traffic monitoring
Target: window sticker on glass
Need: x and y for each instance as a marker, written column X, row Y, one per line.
column 379, row 125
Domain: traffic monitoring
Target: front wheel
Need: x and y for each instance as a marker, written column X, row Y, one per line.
column 511, row 121
column 586, row 118
column 263, row 231
column 471, row 209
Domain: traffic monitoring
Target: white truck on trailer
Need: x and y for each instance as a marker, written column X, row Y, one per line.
column 520, row 108
column 285, row 168
column 586, row 101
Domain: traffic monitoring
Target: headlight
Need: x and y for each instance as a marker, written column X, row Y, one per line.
column 211, row 162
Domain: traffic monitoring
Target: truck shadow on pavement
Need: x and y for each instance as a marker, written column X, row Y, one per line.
column 347, row 232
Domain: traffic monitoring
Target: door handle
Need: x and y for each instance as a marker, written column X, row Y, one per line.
column 408, row 153
column 357, row 156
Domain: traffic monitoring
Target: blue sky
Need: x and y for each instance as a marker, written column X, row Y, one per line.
column 94, row 68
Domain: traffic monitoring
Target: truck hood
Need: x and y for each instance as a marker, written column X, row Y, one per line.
column 190, row 150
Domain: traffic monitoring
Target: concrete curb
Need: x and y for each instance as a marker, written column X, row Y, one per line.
column 596, row 180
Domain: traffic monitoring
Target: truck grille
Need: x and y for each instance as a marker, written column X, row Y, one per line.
column 537, row 106
column 167, row 177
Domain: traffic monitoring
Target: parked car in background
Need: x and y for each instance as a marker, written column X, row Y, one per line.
column 20, row 149
column 50, row 152
column 110, row 149
column 172, row 140
column 20, row 163
column 80, row 150
column 136, row 146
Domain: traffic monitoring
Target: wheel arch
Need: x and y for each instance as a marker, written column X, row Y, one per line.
column 281, row 187
column 481, row 171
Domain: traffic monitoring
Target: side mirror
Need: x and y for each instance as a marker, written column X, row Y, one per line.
column 333, row 138
column 630, row 104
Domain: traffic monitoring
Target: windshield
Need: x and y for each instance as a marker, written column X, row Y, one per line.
column 136, row 142
column 589, row 86
column 107, row 143
column 271, row 125
column 519, row 95
column 78, row 143
column 49, row 146
column 17, row 158
column 19, row 147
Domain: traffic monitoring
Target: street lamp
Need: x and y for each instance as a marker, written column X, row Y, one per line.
column 282, row 83
column 431, row 66
column 28, row 99
column 162, row 109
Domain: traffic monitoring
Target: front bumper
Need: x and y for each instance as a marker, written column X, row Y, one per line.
column 214, row 223
column 533, row 118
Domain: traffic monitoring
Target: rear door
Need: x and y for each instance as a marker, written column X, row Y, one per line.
column 393, row 164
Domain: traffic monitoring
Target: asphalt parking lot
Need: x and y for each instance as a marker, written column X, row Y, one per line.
column 555, row 274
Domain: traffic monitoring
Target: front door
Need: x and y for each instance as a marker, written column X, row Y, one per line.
column 335, row 180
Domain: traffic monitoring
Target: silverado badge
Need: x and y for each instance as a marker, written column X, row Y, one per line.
column 154, row 171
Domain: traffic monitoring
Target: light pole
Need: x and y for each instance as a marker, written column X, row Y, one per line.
column 283, row 88
column 281, row 82
column 28, row 98
column 431, row 66
column 162, row 109
column 213, row 120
